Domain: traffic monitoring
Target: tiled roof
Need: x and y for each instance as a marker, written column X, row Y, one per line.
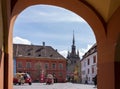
column 92, row 50
column 20, row 50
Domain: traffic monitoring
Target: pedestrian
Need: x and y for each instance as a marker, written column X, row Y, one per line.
column 86, row 80
column 95, row 80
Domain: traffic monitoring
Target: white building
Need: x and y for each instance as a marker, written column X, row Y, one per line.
column 89, row 65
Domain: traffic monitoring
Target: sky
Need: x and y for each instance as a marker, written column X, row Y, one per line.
column 54, row 26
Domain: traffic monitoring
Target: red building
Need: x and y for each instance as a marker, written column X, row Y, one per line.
column 39, row 61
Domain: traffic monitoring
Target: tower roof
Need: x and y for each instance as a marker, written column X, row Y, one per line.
column 73, row 54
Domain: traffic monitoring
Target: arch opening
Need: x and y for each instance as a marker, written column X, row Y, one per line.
column 50, row 21
column 83, row 11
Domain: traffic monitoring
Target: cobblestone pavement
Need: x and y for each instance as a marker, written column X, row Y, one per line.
column 54, row 86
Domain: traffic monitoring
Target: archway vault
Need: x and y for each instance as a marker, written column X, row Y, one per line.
column 94, row 19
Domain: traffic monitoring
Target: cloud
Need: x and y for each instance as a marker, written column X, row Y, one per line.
column 19, row 40
column 47, row 13
column 81, row 51
column 84, row 50
column 63, row 53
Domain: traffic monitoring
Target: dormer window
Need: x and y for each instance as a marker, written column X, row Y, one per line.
column 39, row 55
column 51, row 55
column 29, row 54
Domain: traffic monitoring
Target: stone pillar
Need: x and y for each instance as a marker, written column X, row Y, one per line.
column 1, row 50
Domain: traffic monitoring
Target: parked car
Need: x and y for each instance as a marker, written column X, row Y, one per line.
column 49, row 79
column 21, row 78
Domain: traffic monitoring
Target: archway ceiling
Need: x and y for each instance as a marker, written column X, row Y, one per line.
column 105, row 8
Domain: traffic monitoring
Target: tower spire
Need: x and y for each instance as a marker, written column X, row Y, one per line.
column 73, row 39
column 73, row 45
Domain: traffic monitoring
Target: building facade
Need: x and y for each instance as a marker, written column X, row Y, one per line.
column 73, row 63
column 39, row 61
column 89, row 65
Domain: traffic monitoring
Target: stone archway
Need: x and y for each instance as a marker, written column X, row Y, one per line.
column 117, row 64
column 105, row 63
column 114, row 34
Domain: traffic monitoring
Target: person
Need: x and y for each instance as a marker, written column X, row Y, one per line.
column 49, row 79
column 25, row 76
column 55, row 80
column 86, row 80
column 95, row 80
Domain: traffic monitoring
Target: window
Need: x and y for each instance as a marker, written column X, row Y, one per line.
column 88, row 61
column 74, row 61
column 19, row 65
column 84, row 64
column 28, row 65
column 88, row 70
column 46, row 65
column 60, row 66
column 94, row 59
column 92, row 70
column 51, row 55
column 39, row 55
column 29, row 54
column 53, row 66
column 71, row 61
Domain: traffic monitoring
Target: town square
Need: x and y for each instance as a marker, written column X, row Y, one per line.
column 59, row 44
column 54, row 86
